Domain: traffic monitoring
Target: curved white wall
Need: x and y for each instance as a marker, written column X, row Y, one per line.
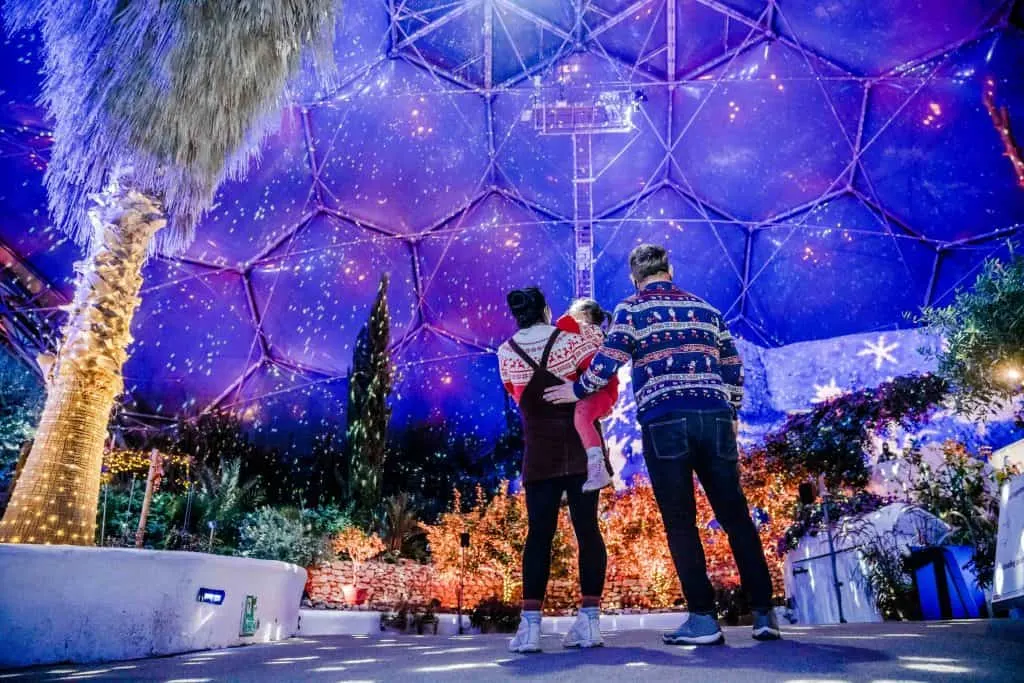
column 66, row 603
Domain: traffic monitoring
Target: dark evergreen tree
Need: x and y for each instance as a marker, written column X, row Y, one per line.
column 368, row 410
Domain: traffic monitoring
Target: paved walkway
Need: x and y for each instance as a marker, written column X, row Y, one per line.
column 880, row 653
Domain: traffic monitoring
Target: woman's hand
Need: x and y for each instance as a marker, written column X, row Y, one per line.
column 563, row 393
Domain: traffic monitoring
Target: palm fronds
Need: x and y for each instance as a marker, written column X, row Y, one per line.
column 178, row 93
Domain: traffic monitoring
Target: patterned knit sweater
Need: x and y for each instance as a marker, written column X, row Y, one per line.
column 682, row 353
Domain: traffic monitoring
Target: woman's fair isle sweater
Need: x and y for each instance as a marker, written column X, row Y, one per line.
column 570, row 356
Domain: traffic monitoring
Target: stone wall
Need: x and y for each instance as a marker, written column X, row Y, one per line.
column 406, row 581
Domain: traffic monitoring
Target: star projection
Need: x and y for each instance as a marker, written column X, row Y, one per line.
column 816, row 170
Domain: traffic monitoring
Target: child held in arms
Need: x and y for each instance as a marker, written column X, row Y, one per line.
column 586, row 318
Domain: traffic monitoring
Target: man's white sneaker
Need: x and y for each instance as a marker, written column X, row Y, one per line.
column 527, row 638
column 597, row 471
column 585, row 632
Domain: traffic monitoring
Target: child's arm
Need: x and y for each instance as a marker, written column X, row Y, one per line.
column 616, row 351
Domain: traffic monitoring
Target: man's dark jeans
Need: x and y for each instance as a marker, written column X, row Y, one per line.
column 676, row 446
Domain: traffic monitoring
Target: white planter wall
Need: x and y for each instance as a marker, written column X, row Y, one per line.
column 67, row 603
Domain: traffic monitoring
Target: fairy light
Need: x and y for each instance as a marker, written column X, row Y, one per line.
column 1001, row 120
column 58, row 490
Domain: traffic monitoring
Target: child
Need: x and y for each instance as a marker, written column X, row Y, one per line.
column 585, row 318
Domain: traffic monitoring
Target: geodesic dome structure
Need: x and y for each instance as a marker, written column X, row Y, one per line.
column 816, row 169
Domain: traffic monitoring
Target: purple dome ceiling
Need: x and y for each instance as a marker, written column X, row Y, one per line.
column 817, row 169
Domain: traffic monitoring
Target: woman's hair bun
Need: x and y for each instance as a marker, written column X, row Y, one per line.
column 527, row 306
column 518, row 300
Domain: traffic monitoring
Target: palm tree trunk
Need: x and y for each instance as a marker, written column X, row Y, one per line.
column 57, row 494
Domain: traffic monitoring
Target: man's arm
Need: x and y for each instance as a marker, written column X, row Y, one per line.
column 731, row 367
column 616, row 352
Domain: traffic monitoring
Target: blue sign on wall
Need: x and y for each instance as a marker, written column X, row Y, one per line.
column 210, row 596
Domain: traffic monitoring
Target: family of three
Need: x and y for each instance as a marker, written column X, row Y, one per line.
column 687, row 378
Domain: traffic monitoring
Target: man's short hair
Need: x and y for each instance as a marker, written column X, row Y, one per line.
column 647, row 260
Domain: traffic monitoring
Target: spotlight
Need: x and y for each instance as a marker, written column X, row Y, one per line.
column 1014, row 374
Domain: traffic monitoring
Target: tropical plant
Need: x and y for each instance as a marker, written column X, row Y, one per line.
column 153, row 105
column 20, row 401
column 368, row 410
column 983, row 333
column 220, row 502
column 399, row 525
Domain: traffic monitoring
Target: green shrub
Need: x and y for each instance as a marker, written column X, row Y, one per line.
column 281, row 534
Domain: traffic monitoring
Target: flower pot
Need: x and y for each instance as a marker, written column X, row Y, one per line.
column 354, row 595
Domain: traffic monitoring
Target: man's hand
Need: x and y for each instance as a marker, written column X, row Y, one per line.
column 736, row 428
column 562, row 393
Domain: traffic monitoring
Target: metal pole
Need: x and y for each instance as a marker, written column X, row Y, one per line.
column 462, row 583
column 832, row 556
column 103, row 524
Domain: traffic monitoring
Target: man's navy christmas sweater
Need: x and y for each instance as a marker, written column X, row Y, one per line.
column 682, row 353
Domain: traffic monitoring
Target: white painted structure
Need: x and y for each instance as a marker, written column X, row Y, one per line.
column 1008, row 583
column 808, row 569
column 74, row 604
column 1009, row 455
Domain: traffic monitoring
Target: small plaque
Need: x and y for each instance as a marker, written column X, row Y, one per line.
column 210, row 596
column 250, row 624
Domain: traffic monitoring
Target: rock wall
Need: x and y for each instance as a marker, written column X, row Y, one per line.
column 388, row 585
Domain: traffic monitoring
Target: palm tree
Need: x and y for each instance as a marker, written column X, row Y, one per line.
column 399, row 524
column 153, row 104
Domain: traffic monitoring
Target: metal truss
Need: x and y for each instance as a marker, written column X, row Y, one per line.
column 29, row 308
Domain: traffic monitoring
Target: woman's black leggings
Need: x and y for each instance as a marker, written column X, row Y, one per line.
column 543, row 499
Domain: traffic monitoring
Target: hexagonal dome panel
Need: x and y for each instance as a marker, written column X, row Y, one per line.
column 314, row 292
column 769, row 130
column 914, row 158
column 505, row 246
column 439, row 130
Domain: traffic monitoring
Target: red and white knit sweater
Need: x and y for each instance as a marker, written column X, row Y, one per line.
column 570, row 356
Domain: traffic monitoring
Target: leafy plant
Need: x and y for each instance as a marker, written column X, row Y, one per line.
column 887, row 577
column 810, row 519
column 962, row 492
column 122, row 516
column 280, row 534
column 983, row 331
column 494, row 615
column 357, row 545
column 21, row 399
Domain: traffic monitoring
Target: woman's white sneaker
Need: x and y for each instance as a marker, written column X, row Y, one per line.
column 527, row 638
column 585, row 632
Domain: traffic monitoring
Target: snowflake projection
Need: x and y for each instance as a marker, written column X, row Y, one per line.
column 802, row 161
column 880, row 351
column 824, row 393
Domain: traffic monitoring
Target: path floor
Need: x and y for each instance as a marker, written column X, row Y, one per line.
column 880, row 653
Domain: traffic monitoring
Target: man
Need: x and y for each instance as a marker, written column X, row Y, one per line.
column 688, row 377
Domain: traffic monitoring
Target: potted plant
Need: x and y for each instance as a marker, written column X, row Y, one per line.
column 428, row 619
column 359, row 547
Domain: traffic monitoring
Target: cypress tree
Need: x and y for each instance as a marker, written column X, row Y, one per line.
column 368, row 410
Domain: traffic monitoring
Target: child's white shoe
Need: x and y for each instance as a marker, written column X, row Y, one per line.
column 597, row 471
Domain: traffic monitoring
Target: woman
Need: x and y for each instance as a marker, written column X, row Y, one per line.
column 555, row 463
